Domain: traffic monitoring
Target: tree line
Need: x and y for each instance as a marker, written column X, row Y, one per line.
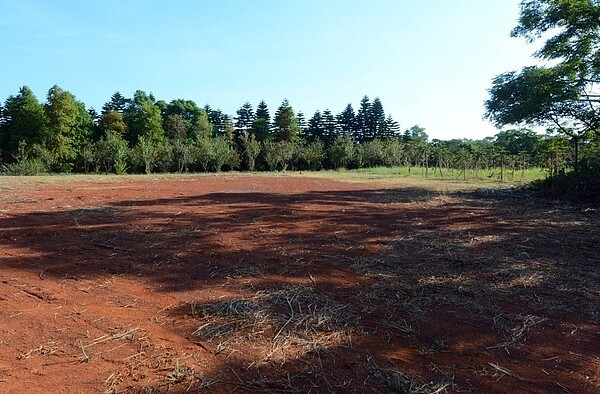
column 140, row 134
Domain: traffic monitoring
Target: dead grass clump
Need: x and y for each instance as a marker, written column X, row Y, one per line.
column 293, row 319
column 514, row 328
column 399, row 382
column 229, row 317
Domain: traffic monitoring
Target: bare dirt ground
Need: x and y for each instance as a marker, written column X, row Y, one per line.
column 293, row 284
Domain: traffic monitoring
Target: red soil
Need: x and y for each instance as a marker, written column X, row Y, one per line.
column 104, row 286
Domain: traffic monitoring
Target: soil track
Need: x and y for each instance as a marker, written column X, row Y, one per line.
column 251, row 283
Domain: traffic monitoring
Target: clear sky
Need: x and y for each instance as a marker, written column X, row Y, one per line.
column 429, row 61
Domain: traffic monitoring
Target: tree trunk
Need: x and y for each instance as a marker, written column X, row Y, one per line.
column 576, row 163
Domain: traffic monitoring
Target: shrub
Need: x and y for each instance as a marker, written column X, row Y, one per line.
column 581, row 186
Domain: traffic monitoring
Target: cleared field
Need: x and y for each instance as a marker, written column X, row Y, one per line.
column 294, row 283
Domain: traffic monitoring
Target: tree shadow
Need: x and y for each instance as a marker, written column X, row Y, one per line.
column 399, row 288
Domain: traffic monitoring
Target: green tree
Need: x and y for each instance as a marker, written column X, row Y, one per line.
column 111, row 153
column 517, row 141
column 392, row 127
column 201, row 126
column 392, row 152
column 112, row 121
column 285, row 124
column 301, row 122
column 262, row 111
column 341, row 150
column 147, row 153
column 261, row 126
column 329, row 127
column 279, row 154
column 346, row 120
column 223, row 153
column 316, row 128
column 143, row 118
column 244, row 118
column 165, row 156
column 185, row 153
column 69, row 127
column 176, row 126
column 415, row 133
column 370, row 154
column 363, row 120
column 117, row 103
column 313, row 154
column 23, row 120
column 229, row 131
column 204, row 152
column 377, row 125
column 560, row 96
column 251, row 148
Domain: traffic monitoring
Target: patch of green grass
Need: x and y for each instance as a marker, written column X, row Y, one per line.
column 419, row 176
column 455, row 174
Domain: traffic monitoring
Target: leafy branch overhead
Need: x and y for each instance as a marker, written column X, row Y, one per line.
column 563, row 95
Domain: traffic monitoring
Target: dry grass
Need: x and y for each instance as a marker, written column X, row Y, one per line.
column 399, row 382
column 286, row 322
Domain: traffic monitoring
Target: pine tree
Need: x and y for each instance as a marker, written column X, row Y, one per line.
column 393, row 128
column 315, row 129
column 244, row 118
column 377, row 126
column 285, row 125
column 362, row 121
column 262, row 112
column 301, row 121
column 330, row 127
column 347, row 120
column 117, row 103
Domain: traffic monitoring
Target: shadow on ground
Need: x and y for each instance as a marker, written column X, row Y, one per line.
column 389, row 289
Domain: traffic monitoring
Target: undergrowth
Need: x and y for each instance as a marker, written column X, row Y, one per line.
column 582, row 186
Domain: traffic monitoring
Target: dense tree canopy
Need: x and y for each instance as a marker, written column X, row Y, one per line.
column 142, row 134
column 563, row 96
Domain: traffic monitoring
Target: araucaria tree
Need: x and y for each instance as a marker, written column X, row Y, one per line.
column 563, row 96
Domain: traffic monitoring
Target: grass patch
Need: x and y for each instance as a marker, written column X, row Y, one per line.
column 291, row 320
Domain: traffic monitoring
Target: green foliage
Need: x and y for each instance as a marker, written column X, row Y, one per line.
column 279, row 155
column 23, row 119
column 223, row 153
column 581, row 186
column 560, row 96
column 143, row 118
column 251, row 148
column 370, row 154
column 285, row 124
column 146, row 152
column 113, row 121
column 313, row 154
column 201, row 127
column 261, row 129
column 536, row 95
column 117, row 103
column 393, row 152
column 245, row 118
column 415, row 133
column 165, row 156
column 176, row 126
column 24, row 164
column 111, row 153
column 69, row 127
column 341, row 151
column 58, row 137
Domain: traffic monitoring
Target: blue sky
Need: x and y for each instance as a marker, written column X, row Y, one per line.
column 430, row 61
